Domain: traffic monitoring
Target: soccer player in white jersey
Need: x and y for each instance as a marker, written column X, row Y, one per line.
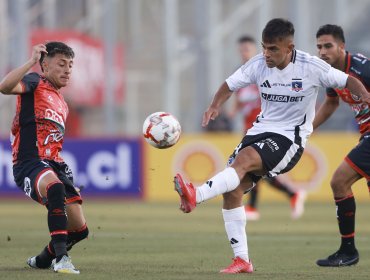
column 289, row 81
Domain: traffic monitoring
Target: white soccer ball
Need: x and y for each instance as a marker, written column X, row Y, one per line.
column 161, row 130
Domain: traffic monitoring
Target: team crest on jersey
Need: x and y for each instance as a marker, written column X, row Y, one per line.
column 355, row 97
column 297, row 85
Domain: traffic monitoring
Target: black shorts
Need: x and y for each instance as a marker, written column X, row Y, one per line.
column 27, row 175
column 278, row 153
column 359, row 157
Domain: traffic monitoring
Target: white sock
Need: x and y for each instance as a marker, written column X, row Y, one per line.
column 224, row 181
column 235, row 222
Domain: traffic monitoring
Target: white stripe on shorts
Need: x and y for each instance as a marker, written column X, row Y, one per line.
column 45, row 172
column 285, row 161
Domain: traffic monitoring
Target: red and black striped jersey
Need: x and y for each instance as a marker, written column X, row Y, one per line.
column 357, row 66
column 39, row 123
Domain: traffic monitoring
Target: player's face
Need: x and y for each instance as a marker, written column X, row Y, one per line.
column 247, row 50
column 329, row 49
column 58, row 69
column 276, row 53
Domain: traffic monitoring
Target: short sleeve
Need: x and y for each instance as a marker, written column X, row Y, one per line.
column 245, row 75
column 30, row 82
column 324, row 75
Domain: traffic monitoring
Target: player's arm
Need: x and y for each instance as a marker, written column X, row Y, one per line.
column 220, row 98
column 357, row 88
column 242, row 77
column 326, row 109
column 11, row 84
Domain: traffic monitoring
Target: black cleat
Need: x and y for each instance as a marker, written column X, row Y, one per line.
column 340, row 259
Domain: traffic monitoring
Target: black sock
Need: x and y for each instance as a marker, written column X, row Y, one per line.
column 76, row 236
column 346, row 210
column 274, row 182
column 60, row 250
column 57, row 219
column 44, row 259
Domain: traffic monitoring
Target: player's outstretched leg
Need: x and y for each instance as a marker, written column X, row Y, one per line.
column 225, row 181
column 187, row 194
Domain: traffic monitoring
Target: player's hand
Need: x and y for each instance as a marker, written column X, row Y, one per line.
column 36, row 52
column 210, row 114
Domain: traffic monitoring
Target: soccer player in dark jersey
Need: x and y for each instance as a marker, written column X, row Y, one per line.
column 37, row 139
column 356, row 165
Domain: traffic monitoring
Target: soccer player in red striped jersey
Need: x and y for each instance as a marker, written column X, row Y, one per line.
column 37, row 139
column 356, row 165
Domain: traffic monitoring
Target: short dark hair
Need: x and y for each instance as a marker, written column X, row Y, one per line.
column 277, row 29
column 246, row 39
column 331, row 29
column 54, row 48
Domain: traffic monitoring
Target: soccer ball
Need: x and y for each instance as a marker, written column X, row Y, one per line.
column 161, row 130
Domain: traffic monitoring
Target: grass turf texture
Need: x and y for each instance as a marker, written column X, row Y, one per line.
column 134, row 240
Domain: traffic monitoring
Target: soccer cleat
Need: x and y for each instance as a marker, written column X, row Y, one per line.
column 65, row 266
column 251, row 213
column 297, row 204
column 339, row 259
column 238, row 266
column 187, row 194
column 32, row 263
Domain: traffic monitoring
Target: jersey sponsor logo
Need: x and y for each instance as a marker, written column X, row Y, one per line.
column 280, row 85
column 355, row 97
column 54, row 136
column 266, row 84
column 297, row 85
column 281, row 98
column 54, row 117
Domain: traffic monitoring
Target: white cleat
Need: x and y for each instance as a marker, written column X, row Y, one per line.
column 297, row 204
column 65, row 266
column 32, row 262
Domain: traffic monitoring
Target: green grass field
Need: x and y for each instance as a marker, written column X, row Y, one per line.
column 133, row 240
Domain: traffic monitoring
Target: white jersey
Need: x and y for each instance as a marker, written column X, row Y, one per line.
column 288, row 96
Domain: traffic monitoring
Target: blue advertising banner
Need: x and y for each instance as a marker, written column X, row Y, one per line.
column 103, row 167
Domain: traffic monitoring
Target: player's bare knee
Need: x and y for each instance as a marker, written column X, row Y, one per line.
column 246, row 161
column 338, row 184
column 243, row 166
